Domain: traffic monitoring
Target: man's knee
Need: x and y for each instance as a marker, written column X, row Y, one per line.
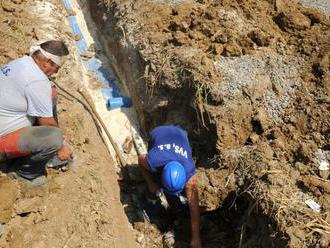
column 55, row 138
column 37, row 139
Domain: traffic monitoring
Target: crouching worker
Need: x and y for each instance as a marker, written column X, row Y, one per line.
column 29, row 131
column 168, row 167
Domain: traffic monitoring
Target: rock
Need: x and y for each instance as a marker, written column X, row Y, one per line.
column 266, row 150
column 280, row 5
column 301, row 167
column 306, row 151
column 210, row 189
column 254, row 138
column 180, row 38
column 29, row 205
column 8, row 6
column 216, row 49
column 315, row 16
column 261, row 118
column 259, row 37
column 169, row 239
column 1, row 229
column 184, row 26
column 292, row 20
column 232, row 50
column 220, row 38
column 196, row 35
column 217, row 179
column 140, row 238
column 316, row 182
column 203, row 181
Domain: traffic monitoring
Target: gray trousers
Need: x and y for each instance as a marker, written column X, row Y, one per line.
column 41, row 143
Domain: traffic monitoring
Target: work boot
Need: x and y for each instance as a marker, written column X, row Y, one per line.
column 36, row 182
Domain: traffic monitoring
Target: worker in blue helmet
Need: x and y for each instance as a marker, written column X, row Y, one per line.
column 169, row 155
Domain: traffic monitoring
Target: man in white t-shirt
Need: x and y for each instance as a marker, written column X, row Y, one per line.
column 29, row 131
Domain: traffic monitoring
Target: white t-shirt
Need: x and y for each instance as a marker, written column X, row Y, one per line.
column 25, row 93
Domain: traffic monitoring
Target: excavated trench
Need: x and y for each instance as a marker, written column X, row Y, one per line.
column 235, row 219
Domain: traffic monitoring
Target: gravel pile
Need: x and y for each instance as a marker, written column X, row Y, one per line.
column 273, row 78
column 323, row 5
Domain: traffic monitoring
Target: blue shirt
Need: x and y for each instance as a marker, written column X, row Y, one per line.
column 170, row 143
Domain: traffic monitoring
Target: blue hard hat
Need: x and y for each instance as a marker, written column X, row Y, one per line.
column 173, row 178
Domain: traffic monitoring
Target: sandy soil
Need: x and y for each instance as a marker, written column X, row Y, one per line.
column 80, row 207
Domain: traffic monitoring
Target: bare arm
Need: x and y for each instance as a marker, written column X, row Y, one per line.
column 146, row 173
column 47, row 121
column 192, row 196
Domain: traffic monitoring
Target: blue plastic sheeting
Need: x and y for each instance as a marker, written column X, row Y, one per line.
column 109, row 83
column 81, row 44
column 67, row 5
column 109, row 87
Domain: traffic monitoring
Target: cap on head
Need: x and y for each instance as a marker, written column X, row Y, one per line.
column 173, row 178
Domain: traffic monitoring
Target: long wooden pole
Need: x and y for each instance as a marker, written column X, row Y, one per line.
column 113, row 143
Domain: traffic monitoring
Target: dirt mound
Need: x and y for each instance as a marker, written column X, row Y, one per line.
column 13, row 26
column 77, row 208
column 250, row 82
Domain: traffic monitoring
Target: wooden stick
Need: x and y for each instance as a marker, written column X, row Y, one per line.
column 113, row 143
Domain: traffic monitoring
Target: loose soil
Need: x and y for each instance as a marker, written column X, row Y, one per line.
column 249, row 80
column 80, row 207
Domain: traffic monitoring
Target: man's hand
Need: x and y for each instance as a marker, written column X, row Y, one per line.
column 64, row 153
column 196, row 243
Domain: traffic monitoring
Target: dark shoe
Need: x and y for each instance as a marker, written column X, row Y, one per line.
column 56, row 163
column 36, row 182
